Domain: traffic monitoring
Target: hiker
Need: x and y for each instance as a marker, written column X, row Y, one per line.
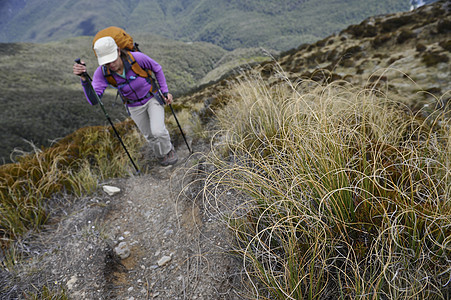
column 145, row 109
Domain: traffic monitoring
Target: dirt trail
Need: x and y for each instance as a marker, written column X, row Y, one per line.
column 158, row 224
column 76, row 249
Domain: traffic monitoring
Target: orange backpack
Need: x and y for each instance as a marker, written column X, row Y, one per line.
column 123, row 40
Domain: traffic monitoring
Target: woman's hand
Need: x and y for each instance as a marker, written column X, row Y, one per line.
column 79, row 69
column 168, row 98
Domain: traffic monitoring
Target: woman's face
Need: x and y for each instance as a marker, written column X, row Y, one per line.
column 116, row 65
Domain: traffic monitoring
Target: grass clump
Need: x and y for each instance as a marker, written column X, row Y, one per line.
column 347, row 194
column 433, row 58
column 47, row 293
column 75, row 165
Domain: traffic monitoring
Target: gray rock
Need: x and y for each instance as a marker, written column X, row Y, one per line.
column 122, row 250
column 164, row 260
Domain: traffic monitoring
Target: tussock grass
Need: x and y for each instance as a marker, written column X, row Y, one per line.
column 75, row 164
column 346, row 194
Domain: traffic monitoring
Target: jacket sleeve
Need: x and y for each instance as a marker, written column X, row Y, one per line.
column 99, row 84
column 146, row 62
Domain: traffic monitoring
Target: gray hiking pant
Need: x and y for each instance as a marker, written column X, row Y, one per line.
column 150, row 121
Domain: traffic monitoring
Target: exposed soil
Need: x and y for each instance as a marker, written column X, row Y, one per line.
column 150, row 214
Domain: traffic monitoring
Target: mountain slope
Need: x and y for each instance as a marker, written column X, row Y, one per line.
column 230, row 24
column 414, row 45
column 42, row 100
column 406, row 55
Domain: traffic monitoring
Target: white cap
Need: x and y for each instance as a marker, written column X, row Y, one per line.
column 106, row 50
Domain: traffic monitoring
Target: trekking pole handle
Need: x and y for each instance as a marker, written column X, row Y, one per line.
column 78, row 61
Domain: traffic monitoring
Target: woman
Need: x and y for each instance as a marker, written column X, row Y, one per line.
column 145, row 109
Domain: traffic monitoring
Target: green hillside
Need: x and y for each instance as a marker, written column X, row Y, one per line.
column 231, row 24
column 42, row 100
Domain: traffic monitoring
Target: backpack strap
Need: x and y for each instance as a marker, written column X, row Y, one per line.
column 146, row 73
column 109, row 76
column 130, row 63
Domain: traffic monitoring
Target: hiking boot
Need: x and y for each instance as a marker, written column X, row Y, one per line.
column 169, row 159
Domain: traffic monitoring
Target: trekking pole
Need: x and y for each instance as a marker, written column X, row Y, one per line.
column 89, row 79
column 176, row 120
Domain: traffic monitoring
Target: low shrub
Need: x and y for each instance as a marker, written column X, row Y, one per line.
column 404, row 36
column 395, row 23
column 380, row 40
column 432, row 58
column 446, row 45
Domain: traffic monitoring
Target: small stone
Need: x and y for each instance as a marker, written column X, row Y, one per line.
column 164, row 260
column 111, row 190
column 122, row 250
column 70, row 284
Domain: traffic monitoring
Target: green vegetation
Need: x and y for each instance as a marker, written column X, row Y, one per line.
column 432, row 58
column 75, row 165
column 48, row 294
column 344, row 193
column 232, row 24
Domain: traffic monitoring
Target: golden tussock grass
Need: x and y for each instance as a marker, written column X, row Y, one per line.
column 74, row 165
column 346, row 194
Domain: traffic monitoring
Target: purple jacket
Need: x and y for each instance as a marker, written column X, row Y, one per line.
column 136, row 88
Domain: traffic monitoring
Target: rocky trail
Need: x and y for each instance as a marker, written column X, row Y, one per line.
column 148, row 241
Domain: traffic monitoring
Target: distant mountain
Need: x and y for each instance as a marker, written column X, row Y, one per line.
column 230, row 24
